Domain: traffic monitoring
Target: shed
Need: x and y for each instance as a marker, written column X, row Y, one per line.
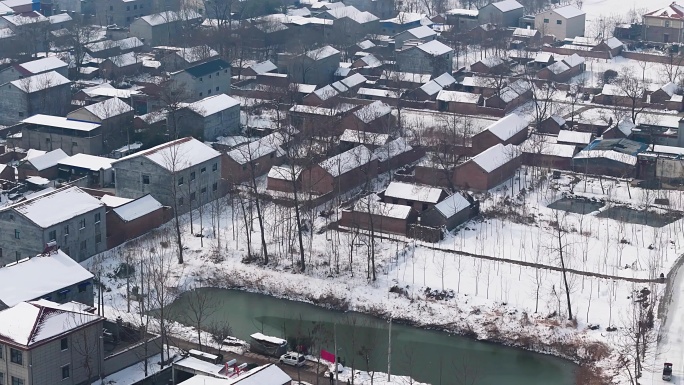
column 450, row 212
column 371, row 212
column 488, row 169
column 613, row 157
column 135, row 218
column 419, row 197
column 511, row 129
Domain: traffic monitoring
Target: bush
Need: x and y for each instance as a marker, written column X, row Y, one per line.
column 609, row 76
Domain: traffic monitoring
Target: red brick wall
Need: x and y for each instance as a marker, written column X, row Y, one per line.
column 483, row 141
column 360, row 219
column 470, row 176
column 279, row 185
column 119, row 231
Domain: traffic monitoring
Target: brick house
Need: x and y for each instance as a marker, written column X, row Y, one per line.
column 488, row 169
column 57, row 340
column 395, row 154
column 375, row 117
column 663, row 94
column 419, row 197
column 126, row 64
column 371, row 212
column 44, row 166
column 135, row 218
column 664, row 25
column 352, row 138
column 620, row 130
column 613, row 157
column 459, row 102
column 176, row 173
column 511, row 96
column 253, row 159
column 511, row 129
column 35, row 67
column 450, row 212
column 69, row 216
column 324, row 97
column 45, row 93
column 562, row 71
column 183, row 58
column 422, row 34
column 284, row 178
column 551, row 125
column 341, row 172
column 490, row 65
column 543, row 151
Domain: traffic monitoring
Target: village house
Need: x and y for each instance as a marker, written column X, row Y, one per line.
column 503, row 13
column 403, row 21
column 341, row 172
column 419, row 197
column 620, row 130
column 459, row 102
column 162, row 28
column 511, row 96
column 563, row 23
column 432, row 57
column 183, row 58
column 613, row 157
column 575, row 138
column 350, row 22
column 35, row 67
column 211, row 117
column 431, row 89
column 121, row 12
column 551, row 125
column 371, row 212
column 45, row 93
column 667, row 96
column 314, row 67
column 562, row 71
column 181, row 174
column 102, row 49
column 490, row 65
column 462, row 20
column 374, row 117
column 47, row 132
column 321, row 121
column 69, row 216
column 395, row 154
column 352, row 138
column 284, row 178
column 525, row 37
column 450, row 212
column 324, row 96
column 423, row 34
column 44, row 166
column 86, row 170
column 664, row 25
column 253, row 159
column 52, row 275
column 542, row 150
column 46, row 342
column 115, row 118
column 488, row 169
column 259, row 68
column 511, row 129
column 202, row 80
column 126, row 64
column 134, row 218
column 198, row 369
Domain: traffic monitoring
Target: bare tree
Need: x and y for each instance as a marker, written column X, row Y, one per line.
column 561, row 248
column 201, row 306
column 632, row 90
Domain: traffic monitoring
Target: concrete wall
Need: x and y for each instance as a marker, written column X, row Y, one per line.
column 16, row 105
column 10, row 74
column 199, row 88
column 37, row 138
column 132, row 355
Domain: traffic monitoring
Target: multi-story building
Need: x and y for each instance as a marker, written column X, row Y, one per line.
column 314, row 67
column 121, row 12
column 48, row 132
column 45, row 93
column 505, row 13
column 72, row 218
column 202, row 80
column 563, row 23
column 162, row 28
column 180, row 174
column 665, row 25
column 432, row 57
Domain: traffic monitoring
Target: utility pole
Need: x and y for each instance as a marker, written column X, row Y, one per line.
column 389, row 352
column 337, row 372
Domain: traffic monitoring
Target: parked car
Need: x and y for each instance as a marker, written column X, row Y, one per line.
column 667, row 371
column 292, row 358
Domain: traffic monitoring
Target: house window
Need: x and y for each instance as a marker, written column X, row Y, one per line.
column 218, row 74
column 128, row 7
column 192, row 196
column 74, row 144
column 83, row 245
column 16, row 356
column 146, row 179
column 192, row 176
column 47, row 140
column 200, row 94
column 667, row 23
column 209, row 91
column 546, row 21
column 214, row 186
column 203, row 170
column 17, row 255
column 209, row 76
column 201, row 80
column 204, row 190
column 214, row 167
column 65, row 372
column 225, row 71
column 98, row 238
column 244, row 167
column 81, row 224
column 111, row 7
column 16, row 234
column 180, row 181
column 17, row 381
column 52, row 235
column 217, row 89
column 180, row 201
column 66, row 230
column 97, row 218
column 135, row 6
column 64, row 343
column 559, row 22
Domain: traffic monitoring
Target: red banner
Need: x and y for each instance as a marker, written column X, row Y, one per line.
column 326, row 355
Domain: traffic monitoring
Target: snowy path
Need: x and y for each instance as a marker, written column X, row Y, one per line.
column 671, row 347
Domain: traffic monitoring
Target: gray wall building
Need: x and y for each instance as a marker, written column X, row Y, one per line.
column 503, row 13
column 432, row 57
column 202, row 80
column 314, row 67
column 121, row 12
column 47, row 133
column 46, row 93
column 162, row 28
column 211, row 117
column 69, row 216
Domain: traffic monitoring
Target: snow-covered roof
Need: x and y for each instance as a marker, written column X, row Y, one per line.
column 435, row 48
column 213, row 104
column 670, row 150
column 352, row 13
column 613, row 42
column 47, row 160
column 413, row 192
column 524, row 32
column 271, row 339
column 507, row 126
column 366, row 44
column 495, row 157
column 406, row 77
column 176, row 155
column 129, row 43
column 543, row 57
column 263, row 67
column 558, row 67
column 548, row 148
column 35, row 277
column 61, row 122
column 507, row 5
column 672, row 11
column 373, row 111
column 514, row 90
column 608, row 154
column 625, row 126
column 322, row 53
column 421, row 32
column 284, row 172
column 342, row 71
column 57, row 206
column 354, row 80
column 575, row 137
column 125, row 59
column 299, row 12
column 406, row 18
column 445, row 79
column 669, row 88
column 257, row 149
column 375, row 92
column 612, row 89
column 133, row 210
column 569, row 11
column 339, row 86
column 42, row 81
column 347, row 161
column 458, row 97
column 492, row 61
column 373, row 204
column 261, row 375
column 431, row 88
column 364, row 137
column 43, row 65
column 326, row 92
column 558, row 119
column 28, row 18
column 169, row 16
column 195, row 54
column 32, row 153
column 28, row 323
column 573, row 60
column 114, row 201
column 463, row 12
column 452, row 205
column 90, row 162
column 108, row 90
column 108, row 108
column 390, row 150
column 371, row 61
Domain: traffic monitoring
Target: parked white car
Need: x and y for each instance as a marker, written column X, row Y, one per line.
column 292, row 358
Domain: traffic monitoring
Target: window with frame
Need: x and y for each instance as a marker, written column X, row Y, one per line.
column 98, row 238
column 128, row 7
column 204, row 190
column 180, row 201
column 66, row 230
column 209, row 91
column 180, row 181
column 203, row 170
column 65, row 372
column 81, row 224
column 217, row 89
column 83, row 244
column 146, row 179
column 546, row 21
column 17, row 381
column 192, row 196
column 192, row 176
column 16, row 356
column 667, row 23
column 214, row 186
column 52, row 235
column 559, row 22
column 82, row 287
column 214, row 167
column 64, row 343
column 97, row 217
column 17, row 234
column 111, row 7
